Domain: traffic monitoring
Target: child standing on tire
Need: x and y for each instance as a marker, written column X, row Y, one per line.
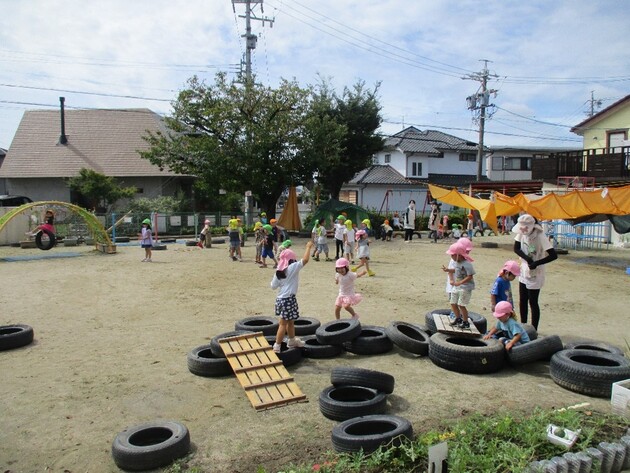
column 146, row 239
column 507, row 329
column 345, row 279
column 286, row 280
column 502, row 289
column 463, row 283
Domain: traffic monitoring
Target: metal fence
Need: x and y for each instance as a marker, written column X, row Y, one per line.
column 581, row 236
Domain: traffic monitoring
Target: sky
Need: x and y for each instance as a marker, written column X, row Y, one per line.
column 546, row 59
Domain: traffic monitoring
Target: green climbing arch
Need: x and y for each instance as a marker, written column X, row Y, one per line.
column 97, row 230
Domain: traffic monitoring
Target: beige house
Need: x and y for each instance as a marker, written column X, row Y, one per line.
column 106, row 141
column 607, row 128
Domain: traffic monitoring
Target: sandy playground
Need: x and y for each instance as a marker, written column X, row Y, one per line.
column 112, row 334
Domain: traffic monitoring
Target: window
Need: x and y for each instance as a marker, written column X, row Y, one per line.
column 348, row 196
column 505, row 163
column 471, row 157
column 416, row 169
column 388, row 158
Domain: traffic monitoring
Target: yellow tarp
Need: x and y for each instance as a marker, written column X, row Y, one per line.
column 572, row 205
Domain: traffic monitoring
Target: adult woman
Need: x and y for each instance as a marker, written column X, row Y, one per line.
column 535, row 251
column 410, row 220
column 434, row 220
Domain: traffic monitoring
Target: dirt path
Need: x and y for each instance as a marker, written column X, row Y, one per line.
column 112, row 335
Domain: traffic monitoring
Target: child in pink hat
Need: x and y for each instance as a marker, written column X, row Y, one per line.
column 450, row 269
column 286, row 280
column 345, row 279
column 463, row 282
column 507, row 329
column 363, row 252
column 502, row 289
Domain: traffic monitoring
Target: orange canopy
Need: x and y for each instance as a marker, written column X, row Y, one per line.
column 290, row 217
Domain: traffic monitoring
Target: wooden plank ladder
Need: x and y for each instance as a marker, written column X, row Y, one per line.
column 443, row 325
column 266, row 381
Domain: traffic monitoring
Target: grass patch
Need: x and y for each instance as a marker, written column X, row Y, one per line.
column 504, row 442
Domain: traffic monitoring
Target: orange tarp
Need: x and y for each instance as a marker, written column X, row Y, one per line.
column 290, row 217
column 572, row 205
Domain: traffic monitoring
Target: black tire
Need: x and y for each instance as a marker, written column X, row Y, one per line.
column 370, row 432
column 288, row 356
column 408, row 337
column 306, row 326
column 158, row 247
column 531, row 331
column 466, row 355
column 539, row 349
column 314, row 349
column 477, row 319
column 489, row 244
column 338, row 331
column 562, row 251
column 594, row 345
column 218, row 240
column 260, row 323
column 151, row 445
column 121, row 239
column 45, row 239
column 191, row 243
column 372, row 340
column 202, row 362
column 588, row 372
column 214, row 342
column 346, row 402
column 378, row 380
column 15, row 336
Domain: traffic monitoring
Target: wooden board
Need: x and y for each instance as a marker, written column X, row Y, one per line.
column 266, row 381
column 443, row 325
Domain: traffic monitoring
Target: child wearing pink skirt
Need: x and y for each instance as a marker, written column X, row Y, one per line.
column 345, row 279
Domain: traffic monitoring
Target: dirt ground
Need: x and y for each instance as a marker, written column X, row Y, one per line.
column 112, row 334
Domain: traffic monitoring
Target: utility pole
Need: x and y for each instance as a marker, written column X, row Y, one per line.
column 480, row 101
column 250, row 39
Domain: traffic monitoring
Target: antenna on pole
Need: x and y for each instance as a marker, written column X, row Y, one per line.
column 250, row 39
column 481, row 101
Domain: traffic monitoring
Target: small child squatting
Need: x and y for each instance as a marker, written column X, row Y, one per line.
column 507, row 330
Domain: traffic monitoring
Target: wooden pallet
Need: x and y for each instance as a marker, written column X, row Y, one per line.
column 266, row 381
column 442, row 323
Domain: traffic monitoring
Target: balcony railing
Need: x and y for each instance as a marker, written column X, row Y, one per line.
column 597, row 163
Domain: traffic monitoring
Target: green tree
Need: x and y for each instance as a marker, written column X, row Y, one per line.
column 356, row 114
column 237, row 137
column 98, row 189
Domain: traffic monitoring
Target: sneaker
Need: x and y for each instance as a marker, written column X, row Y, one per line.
column 234, row 258
column 316, row 258
column 144, row 260
column 328, row 259
column 457, row 321
column 356, row 316
column 371, row 273
column 464, row 324
column 148, row 260
column 451, row 315
column 295, row 342
column 277, row 348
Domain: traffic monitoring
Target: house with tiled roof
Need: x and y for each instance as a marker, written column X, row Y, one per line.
column 410, row 160
column 45, row 152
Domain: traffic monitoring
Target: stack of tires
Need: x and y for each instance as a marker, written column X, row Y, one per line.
column 354, row 338
column 358, row 398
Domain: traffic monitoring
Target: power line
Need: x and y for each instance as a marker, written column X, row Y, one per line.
column 85, row 93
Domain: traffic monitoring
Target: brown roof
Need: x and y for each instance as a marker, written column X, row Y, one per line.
column 106, row 141
column 590, row 121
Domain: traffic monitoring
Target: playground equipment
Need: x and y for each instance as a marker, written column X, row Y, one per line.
column 46, row 237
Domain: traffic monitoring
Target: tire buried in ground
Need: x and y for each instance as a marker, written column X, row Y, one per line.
column 368, row 433
column 215, row 347
column 346, row 402
column 306, row 326
column 378, row 380
column 589, row 372
column 338, row 331
column 408, row 337
column 260, row 323
column 372, row 340
column 489, row 244
column 539, row 349
column 466, row 355
column 151, row 445
column 288, row 356
column 594, row 345
column 313, row 349
column 15, row 336
column 45, row 242
column 477, row 319
column 202, row 362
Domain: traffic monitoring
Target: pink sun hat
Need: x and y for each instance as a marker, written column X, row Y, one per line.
column 458, row 249
column 466, row 243
column 284, row 258
column 512, row 267
column 502, row 308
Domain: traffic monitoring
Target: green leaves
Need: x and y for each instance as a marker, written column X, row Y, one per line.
column 98, row 189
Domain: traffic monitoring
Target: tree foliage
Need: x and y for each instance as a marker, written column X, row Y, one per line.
column 98, row 189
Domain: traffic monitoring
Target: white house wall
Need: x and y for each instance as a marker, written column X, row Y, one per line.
column 449, row 164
